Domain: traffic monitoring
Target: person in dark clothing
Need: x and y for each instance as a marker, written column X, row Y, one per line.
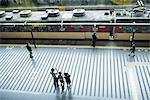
column 54, row 75
column 29, row 49
column 94, row 38
column 68, row 80
column 61, row 81
column 111, row 32
column 132, row 49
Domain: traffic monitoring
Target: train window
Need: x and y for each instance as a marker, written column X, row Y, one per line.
column 88, row 28
column 104, row 21
column 78, row 28
column 8, row 28
column 133, row 20
column 142, row 20
column 124, row 21
column 39, row 28
column 145, row 29
column 82, row 29
column 127, row 29
column 118, row 29
column 103, row 28
column 69, row 28
column 16, row 28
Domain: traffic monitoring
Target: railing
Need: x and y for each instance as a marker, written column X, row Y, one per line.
column 93, row 24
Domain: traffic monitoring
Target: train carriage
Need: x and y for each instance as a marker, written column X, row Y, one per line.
column 65, row 25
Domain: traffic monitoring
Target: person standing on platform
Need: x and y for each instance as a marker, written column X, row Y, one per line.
column 94, row 38
column 111, row 30
column 132, row 49
column 54, row 75
column 29, row 49
column 61, row 80
column 68, row 80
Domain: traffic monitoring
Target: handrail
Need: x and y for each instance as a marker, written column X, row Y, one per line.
column 92, row 24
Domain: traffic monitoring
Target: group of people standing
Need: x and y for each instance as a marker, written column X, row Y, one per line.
column 59, row 79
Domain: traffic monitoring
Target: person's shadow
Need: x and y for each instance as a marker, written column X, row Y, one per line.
column 57, row 93
column 66, row 95
column 69, row 94
column 131, row 59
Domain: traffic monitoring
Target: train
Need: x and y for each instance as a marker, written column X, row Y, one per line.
column 76, row 24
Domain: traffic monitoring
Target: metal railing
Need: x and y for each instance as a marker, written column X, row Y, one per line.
column 92, row 24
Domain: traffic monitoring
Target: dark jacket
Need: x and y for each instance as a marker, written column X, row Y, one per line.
column 133, row 46
column 28, row 48
column 67, row 78
column 94, row 38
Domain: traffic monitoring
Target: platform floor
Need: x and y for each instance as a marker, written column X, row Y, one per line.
column 96, row 73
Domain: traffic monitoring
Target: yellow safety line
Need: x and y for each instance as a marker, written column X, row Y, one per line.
column 76, row 46
column 130, row 66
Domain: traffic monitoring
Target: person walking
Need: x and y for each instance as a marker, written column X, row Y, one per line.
column 68, row 80
column 54, row 75
column 132, row 49
column 94, row 38
column 29, row 49
column 61, row 80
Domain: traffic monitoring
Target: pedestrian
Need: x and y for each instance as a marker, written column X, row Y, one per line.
column 29, row 49
column 111, row 35
column 61, row 80
column 94, row 38
column 111, row 30
column 54, row 75
column 68, row 80
column 132, row 49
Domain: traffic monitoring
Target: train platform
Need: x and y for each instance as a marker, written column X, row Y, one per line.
column 101, row 73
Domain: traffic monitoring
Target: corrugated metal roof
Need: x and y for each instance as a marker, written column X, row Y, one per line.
column 64, row 15
column 94, row 72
